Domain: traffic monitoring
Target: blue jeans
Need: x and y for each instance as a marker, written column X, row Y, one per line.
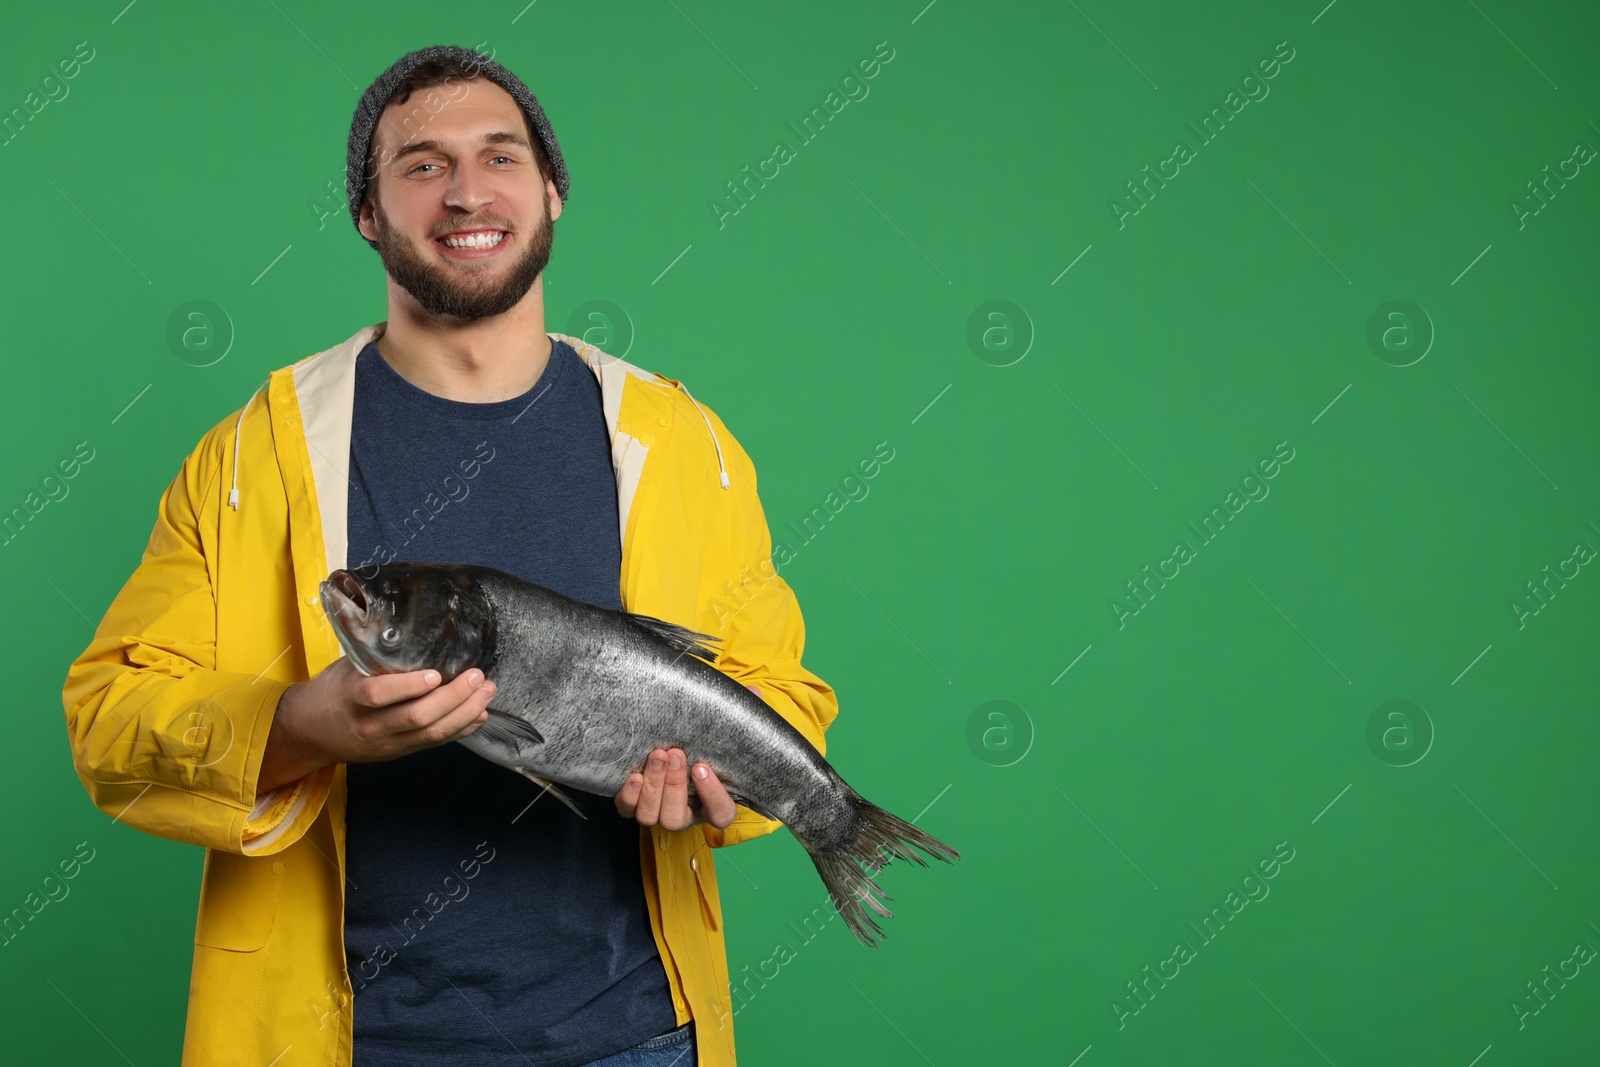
column 675, row 1048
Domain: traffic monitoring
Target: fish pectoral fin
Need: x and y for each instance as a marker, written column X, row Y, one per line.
column 550, row 787
column 509, row 731
column 679, row 637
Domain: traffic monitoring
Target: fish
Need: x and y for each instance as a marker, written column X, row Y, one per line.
column 584, row 693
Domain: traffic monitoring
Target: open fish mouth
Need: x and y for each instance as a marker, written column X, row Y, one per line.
column 344, row 600
column 348, row 607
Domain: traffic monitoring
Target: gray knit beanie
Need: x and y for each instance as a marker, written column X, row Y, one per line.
column 377, row 97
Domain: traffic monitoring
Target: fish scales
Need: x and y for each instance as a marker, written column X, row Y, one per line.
column 603, row 692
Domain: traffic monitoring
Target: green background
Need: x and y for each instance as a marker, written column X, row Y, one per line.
column 1144, row 783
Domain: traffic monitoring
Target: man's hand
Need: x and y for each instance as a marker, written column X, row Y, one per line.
column 343, row 716
column 661, row 793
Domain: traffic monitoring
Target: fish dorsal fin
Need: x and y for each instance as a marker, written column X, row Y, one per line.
column 679, row 637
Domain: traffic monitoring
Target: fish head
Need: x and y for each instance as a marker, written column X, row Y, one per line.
column 396, row 617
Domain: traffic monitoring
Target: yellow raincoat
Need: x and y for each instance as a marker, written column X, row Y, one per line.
column 168, row 709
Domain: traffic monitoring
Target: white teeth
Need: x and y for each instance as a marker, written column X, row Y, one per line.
column 475, row 240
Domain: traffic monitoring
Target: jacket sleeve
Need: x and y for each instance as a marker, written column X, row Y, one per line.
column 762, row 635
column 162, row 740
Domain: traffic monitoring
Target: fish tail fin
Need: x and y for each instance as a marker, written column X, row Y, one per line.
column 884, row 837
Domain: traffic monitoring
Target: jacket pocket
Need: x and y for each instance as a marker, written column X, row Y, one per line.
column 705, row 877
column 238, row 901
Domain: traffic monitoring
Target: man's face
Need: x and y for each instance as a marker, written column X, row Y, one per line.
column 454, row 162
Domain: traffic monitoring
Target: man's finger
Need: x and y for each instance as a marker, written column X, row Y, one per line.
column 715, row 803
column 655, row 774
column 675, row 813
column 627, row 798
column 381, row 690
column 427, row 710
column 454, row 721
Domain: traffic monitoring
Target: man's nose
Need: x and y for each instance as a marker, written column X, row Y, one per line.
column 469, row 189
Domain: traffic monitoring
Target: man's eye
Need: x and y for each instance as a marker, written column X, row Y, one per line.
column 507, row 158
column 421, row 165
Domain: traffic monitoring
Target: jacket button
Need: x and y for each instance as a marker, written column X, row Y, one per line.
column 661, row 421
column 277, row 867
column 694, row 863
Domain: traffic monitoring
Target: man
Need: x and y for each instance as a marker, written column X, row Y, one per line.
column 373, row 893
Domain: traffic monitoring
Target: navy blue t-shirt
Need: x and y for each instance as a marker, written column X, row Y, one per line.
column 478, row 929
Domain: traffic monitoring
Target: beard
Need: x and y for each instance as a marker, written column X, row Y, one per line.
column 468, row 292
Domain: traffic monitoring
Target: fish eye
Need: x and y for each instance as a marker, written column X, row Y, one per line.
column 390, row 636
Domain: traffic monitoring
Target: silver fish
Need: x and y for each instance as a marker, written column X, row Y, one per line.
column 585, row 693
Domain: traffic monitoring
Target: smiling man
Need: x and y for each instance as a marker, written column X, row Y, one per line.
column 374, row 894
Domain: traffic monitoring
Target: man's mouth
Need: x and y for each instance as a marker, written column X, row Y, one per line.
column 470, row 242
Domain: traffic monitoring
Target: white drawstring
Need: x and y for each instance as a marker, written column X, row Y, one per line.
column 721, row 468
column 233, row 493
